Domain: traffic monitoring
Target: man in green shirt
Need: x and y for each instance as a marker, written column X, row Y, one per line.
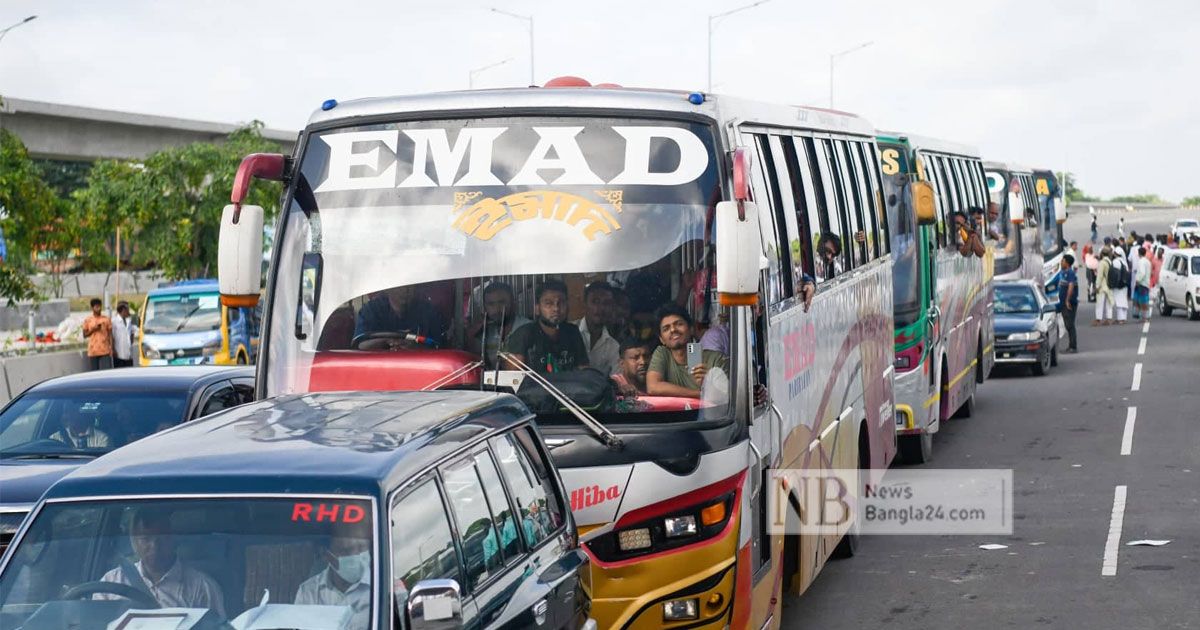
column 668, row 374
column 550, row 344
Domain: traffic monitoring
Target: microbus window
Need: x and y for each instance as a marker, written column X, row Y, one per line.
column 931, row 175
column 422, row 541
column 964, row 195
column 796, row 247
column 865, row 207
column 871, row 158
column 833, row 237
column 807, row 221
column 768, row 210
column 849, row 197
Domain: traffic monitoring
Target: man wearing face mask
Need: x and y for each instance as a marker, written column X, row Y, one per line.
column 551, row 344
column 346, row 581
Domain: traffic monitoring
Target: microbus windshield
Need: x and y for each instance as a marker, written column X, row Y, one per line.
column 247, row 561
column 478, row 252
column 182, row 312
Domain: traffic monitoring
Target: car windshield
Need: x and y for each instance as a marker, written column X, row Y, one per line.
column 84, row 423
column 187, row 312
column 256, row 563
column 1015, row 299
column 554, row 244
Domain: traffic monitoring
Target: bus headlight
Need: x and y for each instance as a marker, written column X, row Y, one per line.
column 149, row 352
column 677, row 526
column 668, row 525
column 634, row 539
column 681, row 609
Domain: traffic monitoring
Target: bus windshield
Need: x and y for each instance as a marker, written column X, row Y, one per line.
column 187, row 312
column 1008, row 242
column 440, row 253
column 906, row 272
column 1047, row 190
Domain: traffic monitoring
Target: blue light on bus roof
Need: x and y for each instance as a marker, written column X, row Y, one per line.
column 696, row 98
column 329, row 104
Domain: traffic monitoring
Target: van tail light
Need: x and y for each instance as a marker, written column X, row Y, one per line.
column 909, row 358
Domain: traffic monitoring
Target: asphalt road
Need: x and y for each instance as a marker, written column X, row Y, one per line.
column 1062, row 435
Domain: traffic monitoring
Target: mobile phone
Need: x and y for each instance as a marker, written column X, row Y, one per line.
column 693, row 355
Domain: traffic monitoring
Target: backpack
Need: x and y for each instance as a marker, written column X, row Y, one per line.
column 1118, row 275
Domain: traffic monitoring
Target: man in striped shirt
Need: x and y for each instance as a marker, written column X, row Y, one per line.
column 78, row 430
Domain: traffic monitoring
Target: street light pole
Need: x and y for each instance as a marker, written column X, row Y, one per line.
column 27, row 20
column 712, row 20
column 528, row 19
column 477, row 71
column 833, row 58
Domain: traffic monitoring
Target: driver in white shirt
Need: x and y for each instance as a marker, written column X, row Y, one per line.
column 160, row 571
column 346, row 580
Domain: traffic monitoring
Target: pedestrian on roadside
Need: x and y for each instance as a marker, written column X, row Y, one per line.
column 1121, row 291
column 1141, row 281
column 1068, row 299
column 1121, row 227
column 123, row 333
column 1105, row 295
column 1090, row 263
column 1156, row 263
column 1095, row 229
column 1135, row 256
column 98, row 330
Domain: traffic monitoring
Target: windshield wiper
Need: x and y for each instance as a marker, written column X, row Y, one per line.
column 186, row 318
column 606, row 436
column 50, row 455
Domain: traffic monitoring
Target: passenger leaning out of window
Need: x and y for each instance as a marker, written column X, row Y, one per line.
column 968, row 238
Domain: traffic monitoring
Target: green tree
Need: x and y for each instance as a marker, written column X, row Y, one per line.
column 1071, row 191
column 170, row 204
column 1191, row 202
column 1147, row 198
column 32, row 220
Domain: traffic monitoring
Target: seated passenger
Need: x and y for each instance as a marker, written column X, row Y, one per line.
column 603, row 348
column 78, row 431
column 500, row 317
column 550, row 344
column 160, row 572
column 397, row 310
column 346, row 579
column 631, row 369
column 830, row 249
column 668, row 374
column 969, row 241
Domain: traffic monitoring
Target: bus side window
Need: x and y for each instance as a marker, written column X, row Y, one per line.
column 807, row 218
column 849, row 202
column 795, row 246
column 835, row 219
column 950, row 198
column 768, row 209
column 866, row 216
column 818, row 208
column 939, row 196
column 870, row 161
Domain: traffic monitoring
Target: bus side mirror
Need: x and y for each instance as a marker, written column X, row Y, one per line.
column 1014, row 202
column 1060, row 210
column 239, row 255
column 738, row 252
column 921, row 201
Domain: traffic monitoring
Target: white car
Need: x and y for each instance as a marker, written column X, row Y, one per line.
column 1179, row 283
column 1185, row 228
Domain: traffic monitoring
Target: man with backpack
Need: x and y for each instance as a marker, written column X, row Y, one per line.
column 1119, row 283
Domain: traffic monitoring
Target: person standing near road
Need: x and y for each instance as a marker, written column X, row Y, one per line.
column 1068, row 299
column 123, row 333
column 1104, row 289
column 98, row 329
column 1141, row 282
column 1121, row 290
column 1121, row 227
column 1091, row 263
column 1135, row 257
column 1095, row 229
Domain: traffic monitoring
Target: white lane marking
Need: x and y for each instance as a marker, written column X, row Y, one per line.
column 1127, row 438
column 1142, row 346
column 1137, row 377
column 1109, row 568
column 1145, row 328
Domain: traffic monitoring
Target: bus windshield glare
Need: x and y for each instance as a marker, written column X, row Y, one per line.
column 413, row 252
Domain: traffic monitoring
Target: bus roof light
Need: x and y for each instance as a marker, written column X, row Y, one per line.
column 328, row 104
column 696, row 98
column 567, row 81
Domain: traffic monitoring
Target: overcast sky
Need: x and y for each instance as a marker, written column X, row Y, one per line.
column 1107, row 89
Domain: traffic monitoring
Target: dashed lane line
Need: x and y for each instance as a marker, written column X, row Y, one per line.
column 1127, row 438
column 1137, row 377
column 1142, row 346
column 1113, row 545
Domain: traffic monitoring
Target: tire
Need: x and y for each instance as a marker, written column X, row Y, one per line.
column 847, row 547
column 1191, row 309
column 980, row 377
column 967, row 409
column 1042, row 366
column 1164, row 308
column 916, row 449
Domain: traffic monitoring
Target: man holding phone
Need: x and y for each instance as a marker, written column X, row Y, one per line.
column 679, row 366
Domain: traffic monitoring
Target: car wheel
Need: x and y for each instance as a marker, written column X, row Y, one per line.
column 1164, row 308
column 1191, row 309
column 1043, row 365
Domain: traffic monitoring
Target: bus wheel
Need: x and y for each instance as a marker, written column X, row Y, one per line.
column 848, row 545
column 967, row 409
column 979, row 375
column 916, row 449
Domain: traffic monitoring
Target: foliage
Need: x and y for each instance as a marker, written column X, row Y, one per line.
column 36, row 222
column 1071, row 191
column 1147, row 198
column 170, row 204
column 1191, row 202
column 64, row 176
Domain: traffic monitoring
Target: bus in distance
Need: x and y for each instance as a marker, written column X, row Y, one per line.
column 569, row 245
column 1052, row 214
column 942, row 297
column 1017, row 226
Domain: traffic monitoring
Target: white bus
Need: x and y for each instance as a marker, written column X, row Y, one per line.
column 1019, row 246
column 408, row 223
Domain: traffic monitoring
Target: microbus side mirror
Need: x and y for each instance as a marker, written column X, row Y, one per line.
column 239, row 255
column 738, row 252
column 435, row 605
column 922, row 203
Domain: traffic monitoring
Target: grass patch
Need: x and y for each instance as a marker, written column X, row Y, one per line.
column 84, row 303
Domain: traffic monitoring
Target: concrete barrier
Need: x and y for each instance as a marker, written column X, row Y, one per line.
column 47, row 314
column 21, row 373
